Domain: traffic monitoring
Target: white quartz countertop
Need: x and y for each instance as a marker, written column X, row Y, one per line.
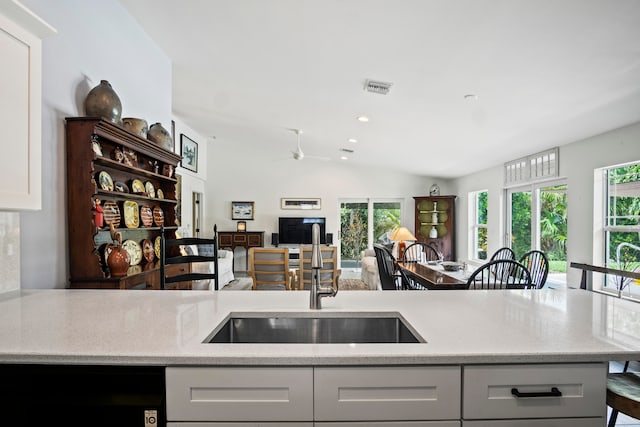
column 168, row 327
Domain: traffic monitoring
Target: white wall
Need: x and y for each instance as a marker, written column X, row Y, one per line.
column 578, row 160
column 97, row 39
column 236, row 175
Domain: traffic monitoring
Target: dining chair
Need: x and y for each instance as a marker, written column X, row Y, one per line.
column 390, row 276
column 500, row 274
column 503, row 253
column 421, row 252
column 269, row 268
column 538, row 266
column 623, row 394
column 185, row 251
column 329, row 273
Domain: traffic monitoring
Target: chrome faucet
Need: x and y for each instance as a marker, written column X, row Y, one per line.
column 318, row 291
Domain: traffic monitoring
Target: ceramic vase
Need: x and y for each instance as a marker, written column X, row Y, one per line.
column 158, row 134
column 103, row 101
column 118, row 260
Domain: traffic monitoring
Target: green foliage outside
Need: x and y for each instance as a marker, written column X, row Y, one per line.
column 353, row 223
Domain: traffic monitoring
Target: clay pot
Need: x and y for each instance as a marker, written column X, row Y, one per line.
column 136, row 126
column 118, row 261
column 103, row 101
column 160, row 136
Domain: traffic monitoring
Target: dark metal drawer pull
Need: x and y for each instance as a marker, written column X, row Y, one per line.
column 553, row 393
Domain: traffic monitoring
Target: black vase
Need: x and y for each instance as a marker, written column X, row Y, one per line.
column 103, row 101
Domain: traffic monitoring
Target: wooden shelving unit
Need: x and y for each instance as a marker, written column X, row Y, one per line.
column 92, row 145
column 442, row 210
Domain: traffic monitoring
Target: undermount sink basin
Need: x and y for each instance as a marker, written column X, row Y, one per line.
column 314, row 328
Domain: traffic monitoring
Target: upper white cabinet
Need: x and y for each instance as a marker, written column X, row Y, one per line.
column 21, row 33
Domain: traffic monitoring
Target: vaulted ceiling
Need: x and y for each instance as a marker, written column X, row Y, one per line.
column 475, row 82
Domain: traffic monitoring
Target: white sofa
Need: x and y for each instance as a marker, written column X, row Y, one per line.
column 225, row 271
column 369, row 271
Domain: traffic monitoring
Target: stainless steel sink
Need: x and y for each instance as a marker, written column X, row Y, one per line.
column 314, row 328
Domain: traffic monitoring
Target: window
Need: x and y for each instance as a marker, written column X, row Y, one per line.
column 478, row 202
column 622, row 226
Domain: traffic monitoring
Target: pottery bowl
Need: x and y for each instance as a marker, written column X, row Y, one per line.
column 136, row 126
column 451, row 266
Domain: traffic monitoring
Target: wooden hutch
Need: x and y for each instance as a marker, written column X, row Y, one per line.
column 435, row 223
column 95, row 146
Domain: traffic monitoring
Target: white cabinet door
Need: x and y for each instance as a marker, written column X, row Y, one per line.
column 20, row 106
column 252, row 424
column 239, row 394
column 558, row 422
column 381, row 393
column 392, row 424
column 489, row 391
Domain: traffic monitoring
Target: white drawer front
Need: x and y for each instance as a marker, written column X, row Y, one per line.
column 558, row 422
column 392, row 424
column 239, row 394
column 488, row 391
column 252, row 424
column 387, row 393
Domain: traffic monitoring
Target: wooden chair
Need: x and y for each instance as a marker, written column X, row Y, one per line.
column 269, row 268
column 500, row 274
column 623, row 394
column 329, row 274
column 421, row 252
column 177, row 251
column 503, row 253
column 390, row 276
column 538, row 266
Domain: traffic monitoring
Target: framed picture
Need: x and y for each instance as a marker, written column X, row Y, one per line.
column 189, row 151
column 242, row 210
column 298, row 203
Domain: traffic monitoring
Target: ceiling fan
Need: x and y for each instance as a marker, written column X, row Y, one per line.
column 299, row 154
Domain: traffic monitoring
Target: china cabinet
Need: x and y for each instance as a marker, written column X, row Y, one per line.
column 117, row 182
column 435, row 223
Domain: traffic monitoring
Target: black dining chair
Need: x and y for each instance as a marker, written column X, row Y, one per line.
column 391, row 278
column 183, row 251
column 503, row 253
column 538, row 266
column 500, row 274
column 421, row 252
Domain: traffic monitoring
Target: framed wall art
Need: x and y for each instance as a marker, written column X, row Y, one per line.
column 299, row 203
column 242, row 210
column 189, row 152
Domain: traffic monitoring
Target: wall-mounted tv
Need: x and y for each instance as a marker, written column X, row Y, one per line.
column 298, row 230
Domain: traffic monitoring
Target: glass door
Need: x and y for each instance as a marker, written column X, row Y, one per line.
column 537, row 219
column 354, row 231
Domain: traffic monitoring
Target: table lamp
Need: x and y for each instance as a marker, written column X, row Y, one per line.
column 400, row 235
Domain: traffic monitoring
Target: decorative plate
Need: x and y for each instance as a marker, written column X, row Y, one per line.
column 131, row 217
column 134, row 250
column 148, row 251
column 137, row 186
column 158, row 216
column 146, row 216
column 160, row 193
column 111, row 213
column 121, row 187
column 151, row 191
column 106, row 183
column 156, row 247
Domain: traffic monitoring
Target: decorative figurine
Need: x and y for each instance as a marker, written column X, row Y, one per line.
column 98, row 214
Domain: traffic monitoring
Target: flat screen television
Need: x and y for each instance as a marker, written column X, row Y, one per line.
column 298, row 230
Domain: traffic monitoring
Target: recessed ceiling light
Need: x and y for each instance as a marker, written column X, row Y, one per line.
column 344, row 158
column 471, row 97
column 363, row 119
column 352, row 140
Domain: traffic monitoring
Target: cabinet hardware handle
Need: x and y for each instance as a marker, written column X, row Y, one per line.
column 553, row 393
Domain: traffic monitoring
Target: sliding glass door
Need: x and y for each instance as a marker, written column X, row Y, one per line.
column 364, row 222
column 537, row 219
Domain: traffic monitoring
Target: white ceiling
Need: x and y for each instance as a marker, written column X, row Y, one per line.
column 545, row 72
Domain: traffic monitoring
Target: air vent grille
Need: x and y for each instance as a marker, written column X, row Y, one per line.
column 374, row 86
column 347, row 150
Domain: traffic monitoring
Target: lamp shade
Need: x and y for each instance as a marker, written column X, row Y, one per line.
column 402, row 233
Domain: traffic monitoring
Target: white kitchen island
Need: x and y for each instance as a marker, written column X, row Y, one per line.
column 480, row 345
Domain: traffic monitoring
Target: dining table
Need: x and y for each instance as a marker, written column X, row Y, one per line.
column 434, row 276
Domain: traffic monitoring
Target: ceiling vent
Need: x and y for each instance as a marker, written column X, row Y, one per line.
column 377, row 87
column 347, row 150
